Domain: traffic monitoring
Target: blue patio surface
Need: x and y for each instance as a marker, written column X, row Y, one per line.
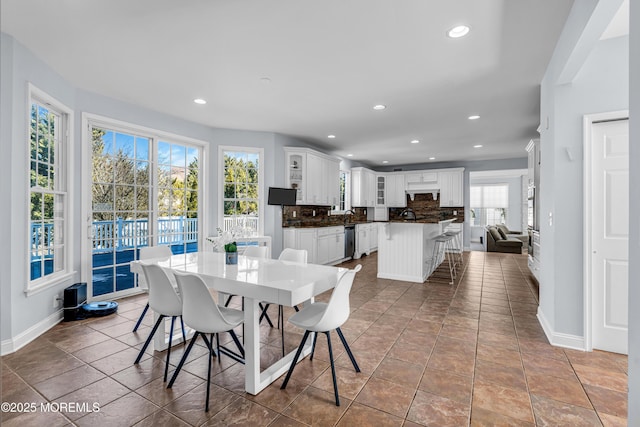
column 104, row 270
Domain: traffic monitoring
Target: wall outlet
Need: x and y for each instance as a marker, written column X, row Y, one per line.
column 294, row 214
column 313, row 213
column 455, row 212
column 56, row 301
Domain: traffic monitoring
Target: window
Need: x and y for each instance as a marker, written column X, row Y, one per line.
column 489, row 204
column 242, row 190
column 49, row 225
column 345, row 193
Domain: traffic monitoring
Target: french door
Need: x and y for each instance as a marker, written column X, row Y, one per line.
column 144, row 192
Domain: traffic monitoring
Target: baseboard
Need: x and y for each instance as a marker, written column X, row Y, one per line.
column 403, row 278
column 16, row 343
column 559, row 339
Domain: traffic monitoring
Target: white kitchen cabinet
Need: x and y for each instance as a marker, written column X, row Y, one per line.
column 381, row 191
column 324, row 245
column 422, row 177
column 363, row 191
column 451, row 187
column 366, row 239
column 315, row 176
column 534, row 258
column 395, row 191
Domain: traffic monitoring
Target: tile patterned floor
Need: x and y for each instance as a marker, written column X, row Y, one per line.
column 431, row 355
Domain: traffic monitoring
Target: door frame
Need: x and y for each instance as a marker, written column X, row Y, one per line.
column 589, row 121
column 86, row 196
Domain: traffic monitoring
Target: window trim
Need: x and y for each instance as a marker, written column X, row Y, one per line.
column 261, row 183
column 34, row 94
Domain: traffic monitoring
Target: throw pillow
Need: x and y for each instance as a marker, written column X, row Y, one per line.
column 502, row 233
column 495, row 234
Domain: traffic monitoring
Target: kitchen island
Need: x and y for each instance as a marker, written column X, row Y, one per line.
column 405, row 249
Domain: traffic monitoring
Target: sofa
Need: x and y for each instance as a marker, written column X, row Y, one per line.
column 499, row 241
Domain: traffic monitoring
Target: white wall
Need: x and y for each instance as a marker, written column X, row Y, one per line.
column 634, row 226
column 601, row 84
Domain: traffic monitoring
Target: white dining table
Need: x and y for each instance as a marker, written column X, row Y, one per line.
column 255, row 279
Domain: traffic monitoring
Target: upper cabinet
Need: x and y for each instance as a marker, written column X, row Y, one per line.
column 451, row 187
column 396, row 194
column 424, row 177
column 315, row 176
column 363, row 188
column 381, row 191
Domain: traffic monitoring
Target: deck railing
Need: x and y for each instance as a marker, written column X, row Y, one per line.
column 122, row 234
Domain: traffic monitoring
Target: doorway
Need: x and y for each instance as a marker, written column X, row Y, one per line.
column 607, row 231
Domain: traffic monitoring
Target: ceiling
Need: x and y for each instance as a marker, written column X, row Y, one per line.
column 311, row 69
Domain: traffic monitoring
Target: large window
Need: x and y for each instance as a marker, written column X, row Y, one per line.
column 242, row 190
column 48, row 186
column 489, row 204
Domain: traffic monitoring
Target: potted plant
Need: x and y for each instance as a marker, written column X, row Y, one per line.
column 226, row 241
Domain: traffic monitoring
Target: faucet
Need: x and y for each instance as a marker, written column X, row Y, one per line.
column 345, row 215
column 408, row 214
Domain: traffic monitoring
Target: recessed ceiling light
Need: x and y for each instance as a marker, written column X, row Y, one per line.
column 200, row 101
column 385, row 161
column 265, row 79
column 331, row 136
column 349, row 155
column 379, row 107
column 415, row 141
column 432, row 158
column 459, row 31
column 477, row 146
column 474, row 117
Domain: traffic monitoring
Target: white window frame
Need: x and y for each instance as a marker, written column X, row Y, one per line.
column 261, row 183
column 482, row 210
column 89, row 120
column 65, row 157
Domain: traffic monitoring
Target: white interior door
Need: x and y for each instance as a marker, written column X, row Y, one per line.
column 610, row 235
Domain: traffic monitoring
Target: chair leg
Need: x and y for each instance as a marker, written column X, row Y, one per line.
column 184, row 335
column 295, row 359
column 226, row 304
column 237, row 341
column 313, row 347
column 184, row 357
column 146, row 344
column 346, row 347
column 144, row 311
column 166, row 363
column 264, row 313
column 281, row 319
column 210, row 345
column 333, row 368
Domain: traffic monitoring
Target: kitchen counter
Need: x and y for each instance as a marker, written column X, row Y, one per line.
column 406, row 248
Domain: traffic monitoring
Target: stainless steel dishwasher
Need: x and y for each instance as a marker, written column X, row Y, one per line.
column 349, row 240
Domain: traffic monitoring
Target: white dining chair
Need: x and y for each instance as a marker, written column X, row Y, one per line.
column 325, row 317
column 256, row 251
column 149, row 252
column 202, row 314
column 164, row 300
column 292, row 255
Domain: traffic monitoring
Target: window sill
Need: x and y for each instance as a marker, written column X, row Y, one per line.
column 49, row 283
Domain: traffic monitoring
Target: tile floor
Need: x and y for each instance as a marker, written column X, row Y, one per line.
column 431, row 355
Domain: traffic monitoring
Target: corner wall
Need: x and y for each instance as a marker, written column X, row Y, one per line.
column 600, row 84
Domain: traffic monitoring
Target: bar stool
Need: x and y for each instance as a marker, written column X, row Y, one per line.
column 441, row 250
column 456, row 245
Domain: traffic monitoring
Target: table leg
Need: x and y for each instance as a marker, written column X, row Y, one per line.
column 255, row 380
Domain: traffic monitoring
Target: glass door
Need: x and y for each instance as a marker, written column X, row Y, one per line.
column 144, row 193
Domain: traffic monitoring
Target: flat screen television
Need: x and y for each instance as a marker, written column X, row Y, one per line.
column 282, row 196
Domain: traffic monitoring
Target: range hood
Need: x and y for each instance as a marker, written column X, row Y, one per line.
column 412, row 190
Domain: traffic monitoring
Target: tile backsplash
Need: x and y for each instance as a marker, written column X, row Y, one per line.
column 303, row 216
column 427, row 209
